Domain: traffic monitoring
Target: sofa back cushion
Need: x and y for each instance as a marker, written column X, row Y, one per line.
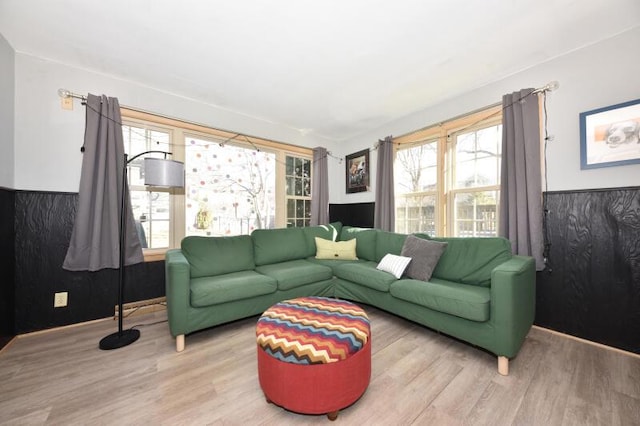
column 388, row 243
column 471, row 260
column 365, row 241
column 210, row 256
column 279, row 245
column 329, row 232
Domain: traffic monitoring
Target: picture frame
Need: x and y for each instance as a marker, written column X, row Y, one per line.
column 357, row 171
column 610, row 136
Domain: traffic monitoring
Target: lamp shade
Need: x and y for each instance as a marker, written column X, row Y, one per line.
column 162, row 172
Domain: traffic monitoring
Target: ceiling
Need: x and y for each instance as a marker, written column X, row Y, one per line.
column 334, row 68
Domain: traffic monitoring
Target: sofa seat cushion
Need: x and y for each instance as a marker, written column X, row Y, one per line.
column 214, row 290
column 465, row 301
column 365, row 274
column 333, row 263
column 295, row 273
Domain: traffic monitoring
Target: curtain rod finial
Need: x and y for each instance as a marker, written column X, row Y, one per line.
column 64, row 93
column 553, row 85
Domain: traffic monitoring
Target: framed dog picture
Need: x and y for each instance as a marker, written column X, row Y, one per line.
column 357, row 171
column 610, row 136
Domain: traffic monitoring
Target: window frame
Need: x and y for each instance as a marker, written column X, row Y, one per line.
column 180, row 131
column 445, row 133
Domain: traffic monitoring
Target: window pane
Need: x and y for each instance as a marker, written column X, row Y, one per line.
column 151, row 211
column 415, row 169
column 299, row 209
column 298, row 191
column 477, row 157
column 290, row 185
column 476, row 214
column 416, row 213
column 291, row 208
column 230, row 190
column 289, row 166
column 306, row 188
column 306, row 168
column 307, row 209
column 298, row 167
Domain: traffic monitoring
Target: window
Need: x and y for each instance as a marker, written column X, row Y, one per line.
column 230, row 190
column 447, row 177
column 476, row 184
column 151, row 206
column 298, row 191
column 416, row 177
column 233, row 183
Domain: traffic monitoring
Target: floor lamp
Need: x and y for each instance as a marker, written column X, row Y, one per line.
column 157, row 172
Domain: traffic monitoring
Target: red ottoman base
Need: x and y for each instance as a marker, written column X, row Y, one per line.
column 317, row 388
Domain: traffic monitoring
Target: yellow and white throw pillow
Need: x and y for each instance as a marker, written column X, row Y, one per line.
column 343, row 250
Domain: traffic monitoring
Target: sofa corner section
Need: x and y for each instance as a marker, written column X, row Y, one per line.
column 513, row 299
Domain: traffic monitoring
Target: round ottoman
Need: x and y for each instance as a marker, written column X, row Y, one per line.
column 314, row 354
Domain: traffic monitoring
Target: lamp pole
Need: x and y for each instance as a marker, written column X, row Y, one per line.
column 123, row 337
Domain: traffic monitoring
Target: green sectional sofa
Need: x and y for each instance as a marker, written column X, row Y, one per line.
column 479, row 292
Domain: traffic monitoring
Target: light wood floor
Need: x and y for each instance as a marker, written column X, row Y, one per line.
column 418, row 378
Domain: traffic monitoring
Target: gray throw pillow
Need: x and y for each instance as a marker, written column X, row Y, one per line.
column 425, row 255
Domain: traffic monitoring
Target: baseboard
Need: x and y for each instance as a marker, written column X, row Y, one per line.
column 589, row 342
column 141, row 307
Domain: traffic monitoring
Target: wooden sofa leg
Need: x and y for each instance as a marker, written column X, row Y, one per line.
column 503, row 365
column 180, row 343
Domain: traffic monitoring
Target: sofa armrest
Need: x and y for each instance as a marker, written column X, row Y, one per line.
column 513, row 303
column 177, row 277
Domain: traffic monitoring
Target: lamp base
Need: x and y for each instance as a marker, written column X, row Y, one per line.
column 119, row 339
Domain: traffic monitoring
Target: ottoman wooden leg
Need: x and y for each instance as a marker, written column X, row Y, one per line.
column 332, row 415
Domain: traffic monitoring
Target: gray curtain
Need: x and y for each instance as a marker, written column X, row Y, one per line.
column 521, row 186
column 320, row 188
column 95, row 237
column 384, row 216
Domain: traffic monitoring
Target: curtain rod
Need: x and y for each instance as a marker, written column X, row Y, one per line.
column 64, row 93
column 549, row 87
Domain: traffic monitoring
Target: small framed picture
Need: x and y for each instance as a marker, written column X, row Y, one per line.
column 357, row 171
column 610, row 136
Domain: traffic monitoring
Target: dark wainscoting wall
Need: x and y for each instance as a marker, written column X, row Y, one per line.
column 43, row 225
column 7, row 266
column 593, row 289
column 354, row 214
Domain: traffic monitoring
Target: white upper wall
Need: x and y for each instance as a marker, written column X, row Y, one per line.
column 7, row 113
column 48, row 138
column 600, row 75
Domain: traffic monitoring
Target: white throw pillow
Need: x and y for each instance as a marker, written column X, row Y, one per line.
column 394, row 264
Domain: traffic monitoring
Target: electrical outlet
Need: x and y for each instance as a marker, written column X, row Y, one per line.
column 60, row 299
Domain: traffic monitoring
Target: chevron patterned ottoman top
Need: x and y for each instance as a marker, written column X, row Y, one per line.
column 313, row 330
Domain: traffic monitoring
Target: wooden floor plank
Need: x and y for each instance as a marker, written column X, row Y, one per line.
column 418, row 377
